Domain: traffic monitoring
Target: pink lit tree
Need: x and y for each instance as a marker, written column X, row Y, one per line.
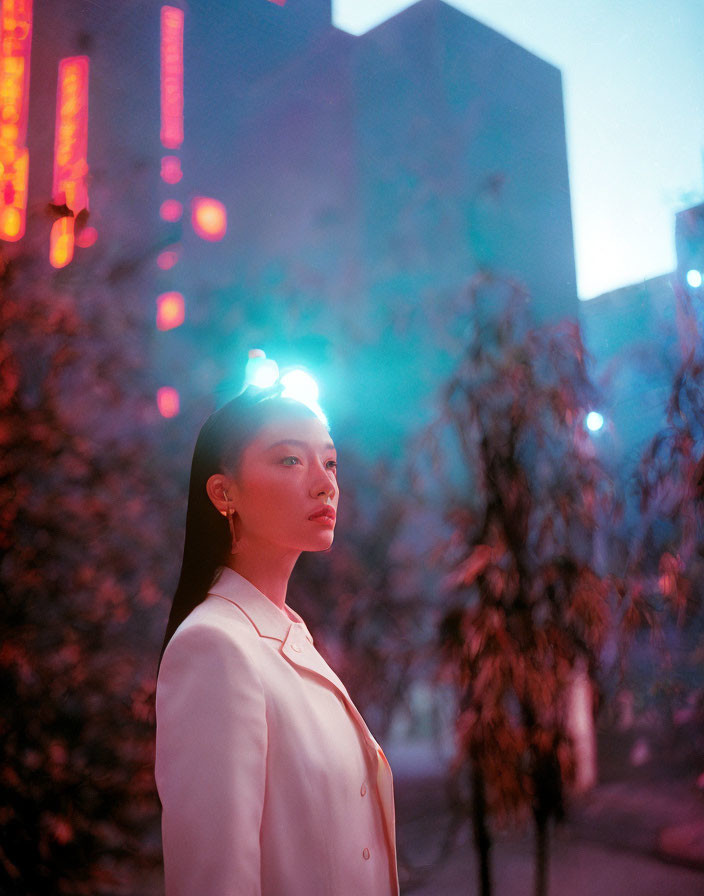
column 526, row 606
column 665, row 559
column 85, row 543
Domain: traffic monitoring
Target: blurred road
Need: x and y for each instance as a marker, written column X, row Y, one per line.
column 612, row 845
column 577, row 868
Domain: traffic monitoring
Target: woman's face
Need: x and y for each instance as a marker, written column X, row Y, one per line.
column 287, row 474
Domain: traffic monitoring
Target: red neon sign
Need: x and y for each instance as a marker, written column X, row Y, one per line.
column 70, row 153
column 15, row 46
column 171, row 77
column 171, row 169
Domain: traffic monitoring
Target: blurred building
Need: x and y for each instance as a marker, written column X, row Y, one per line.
column 365, row 179
column 638, row 338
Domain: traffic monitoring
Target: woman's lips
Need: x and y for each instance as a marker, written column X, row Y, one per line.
column 325, row 516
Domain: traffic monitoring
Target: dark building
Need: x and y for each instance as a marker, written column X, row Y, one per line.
column 366, row 179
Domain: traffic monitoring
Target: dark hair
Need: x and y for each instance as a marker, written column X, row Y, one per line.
column 219, row 446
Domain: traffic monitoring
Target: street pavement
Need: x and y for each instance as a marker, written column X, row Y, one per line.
column 623, row 839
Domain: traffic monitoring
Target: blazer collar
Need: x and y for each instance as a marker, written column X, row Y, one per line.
column 265, row 616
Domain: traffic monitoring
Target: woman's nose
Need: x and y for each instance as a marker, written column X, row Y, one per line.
column 324, row 484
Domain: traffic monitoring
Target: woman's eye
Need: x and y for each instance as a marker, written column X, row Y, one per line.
column 290, row 461
column 332, row 465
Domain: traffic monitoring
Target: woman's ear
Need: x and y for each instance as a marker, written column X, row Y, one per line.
column 217, row 488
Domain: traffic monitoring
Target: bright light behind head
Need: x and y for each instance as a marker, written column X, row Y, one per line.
column 260, row 370
column 300, row 385
column 594, row 421
column 694, row 278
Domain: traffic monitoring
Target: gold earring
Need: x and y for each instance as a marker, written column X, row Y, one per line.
column 231, row 523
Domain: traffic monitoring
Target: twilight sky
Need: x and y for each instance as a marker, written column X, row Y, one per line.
column 633, row 76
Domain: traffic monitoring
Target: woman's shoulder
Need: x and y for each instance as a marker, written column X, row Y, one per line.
column 218, row 616
column 214, row 622
column 212, row 637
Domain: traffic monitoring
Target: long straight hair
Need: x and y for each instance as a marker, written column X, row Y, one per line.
column 219, row 447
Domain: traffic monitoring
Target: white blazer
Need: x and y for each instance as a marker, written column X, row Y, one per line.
column 270, row 782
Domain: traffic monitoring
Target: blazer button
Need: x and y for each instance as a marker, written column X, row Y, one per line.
column 363, row 789
column 296, row 647
column 365, row 853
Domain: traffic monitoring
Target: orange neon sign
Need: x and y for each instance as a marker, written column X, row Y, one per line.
column 70, row 155
column 15, row 46
column 171, row 77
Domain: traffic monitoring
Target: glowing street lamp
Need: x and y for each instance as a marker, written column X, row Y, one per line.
column 694, row 278
column 595, row 421
column 170, row 310
column 209, row 218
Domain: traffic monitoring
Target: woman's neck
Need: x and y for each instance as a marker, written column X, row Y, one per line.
column 268, row 574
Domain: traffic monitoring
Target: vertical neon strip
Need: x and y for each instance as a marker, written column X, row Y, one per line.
column 15, row 48
column 70, row 154
column 171, row 77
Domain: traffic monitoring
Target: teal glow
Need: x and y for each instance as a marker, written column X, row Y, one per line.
column 261, row 371
column 300, row 385
column 594, row 421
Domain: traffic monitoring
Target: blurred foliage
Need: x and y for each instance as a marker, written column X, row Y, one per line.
column 83, row 543
column 530, row 495
column 664, row 570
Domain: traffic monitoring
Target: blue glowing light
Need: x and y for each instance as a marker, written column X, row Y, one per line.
column 301, row 386
column 260, row 370
column 594, row 421
column 694, row 278
column 296, row 382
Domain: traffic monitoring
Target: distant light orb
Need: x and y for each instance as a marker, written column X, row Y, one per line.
column 86, row 237
column 168, row 401
column 594, row 421
column 167, row 259
column 209, row 218
column 170, row 310
column 694, row 278
column 171, row 169
column 260, row 370
column 171, row 210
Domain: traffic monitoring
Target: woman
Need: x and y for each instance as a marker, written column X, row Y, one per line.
column 269, row 779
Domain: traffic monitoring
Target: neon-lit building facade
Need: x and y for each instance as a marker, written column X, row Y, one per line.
column 69, row 190
column 359, row 178
column 15, row 55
